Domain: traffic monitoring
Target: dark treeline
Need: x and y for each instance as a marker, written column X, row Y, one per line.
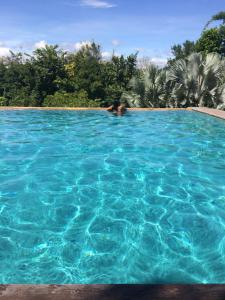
column 52, row 77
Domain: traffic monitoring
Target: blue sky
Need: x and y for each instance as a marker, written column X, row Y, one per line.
column 123, row 25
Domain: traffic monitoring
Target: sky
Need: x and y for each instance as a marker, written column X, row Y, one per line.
column 123, row 26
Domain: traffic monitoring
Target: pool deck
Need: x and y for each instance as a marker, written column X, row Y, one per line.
column 210, row 111
column 84, row 108
column 112, row 292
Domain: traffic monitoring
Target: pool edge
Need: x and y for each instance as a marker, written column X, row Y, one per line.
column 85, row 108
column 111, row 292
column 210, row 111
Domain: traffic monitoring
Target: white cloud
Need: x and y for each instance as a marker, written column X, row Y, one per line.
column 40, row 44
column 115, row 42
column 80, row 45
column 97, row 3
column 4, row 51
column 106, row 55
column 161, row 62
column 145, row 61
column 140, row 49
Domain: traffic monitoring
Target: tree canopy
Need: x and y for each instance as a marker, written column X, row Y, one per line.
column 29, row 80
column 212, row 40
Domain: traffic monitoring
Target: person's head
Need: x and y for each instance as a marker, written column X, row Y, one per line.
column 116, row 104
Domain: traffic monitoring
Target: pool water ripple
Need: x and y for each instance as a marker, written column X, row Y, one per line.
column 87, row 197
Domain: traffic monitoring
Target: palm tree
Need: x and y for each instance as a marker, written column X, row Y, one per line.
column 197, row 81
column 148, row 89
column 217, row 17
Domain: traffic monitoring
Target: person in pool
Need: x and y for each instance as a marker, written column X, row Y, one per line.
column 117, row 108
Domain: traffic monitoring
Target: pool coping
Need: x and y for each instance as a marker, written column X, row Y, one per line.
column 84, row 108
column 111, row 292
column 210, row 111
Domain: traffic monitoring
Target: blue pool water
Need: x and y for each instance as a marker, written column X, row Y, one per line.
column 87, row 197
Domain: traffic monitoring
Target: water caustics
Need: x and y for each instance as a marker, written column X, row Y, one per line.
column 87, row 197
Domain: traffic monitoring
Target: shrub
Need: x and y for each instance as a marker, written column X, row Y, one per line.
column 3, row 101
column 22, row 99
column 60, row 99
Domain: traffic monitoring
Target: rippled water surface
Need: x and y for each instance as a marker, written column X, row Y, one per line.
column 87, row 197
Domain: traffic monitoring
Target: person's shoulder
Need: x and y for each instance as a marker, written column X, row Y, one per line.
column 123, row 107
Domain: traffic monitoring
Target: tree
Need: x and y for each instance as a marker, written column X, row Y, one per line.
column 3, row 101
column 220, row 16
column 52, row 77
column 48, row 65
column 182, row 51
column 16, row 80
column 148, row 89
column 212, row 40
column 2, row 78
column 117, row 75
column 85, row 71
column 197, row 81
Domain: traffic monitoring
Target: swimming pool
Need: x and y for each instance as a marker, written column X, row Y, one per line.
column 87, row 197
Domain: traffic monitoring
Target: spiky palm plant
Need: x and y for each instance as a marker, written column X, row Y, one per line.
column 197, row 81
column 217, row 17
column 148, row 89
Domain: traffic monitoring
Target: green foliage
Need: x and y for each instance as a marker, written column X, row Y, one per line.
column 49, row 70
column 53, row 77
column 117, row 75
column 197, row 80
column 220, row 16
column 148, row 88
column 212, row 40
column 15, row 77
column 182, row 51
column 28, row 80
column 86, row 71
column 22, row 99
column 3, row 101
column 60, row 99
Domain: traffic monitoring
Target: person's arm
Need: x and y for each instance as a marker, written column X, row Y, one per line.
column 110, row 108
